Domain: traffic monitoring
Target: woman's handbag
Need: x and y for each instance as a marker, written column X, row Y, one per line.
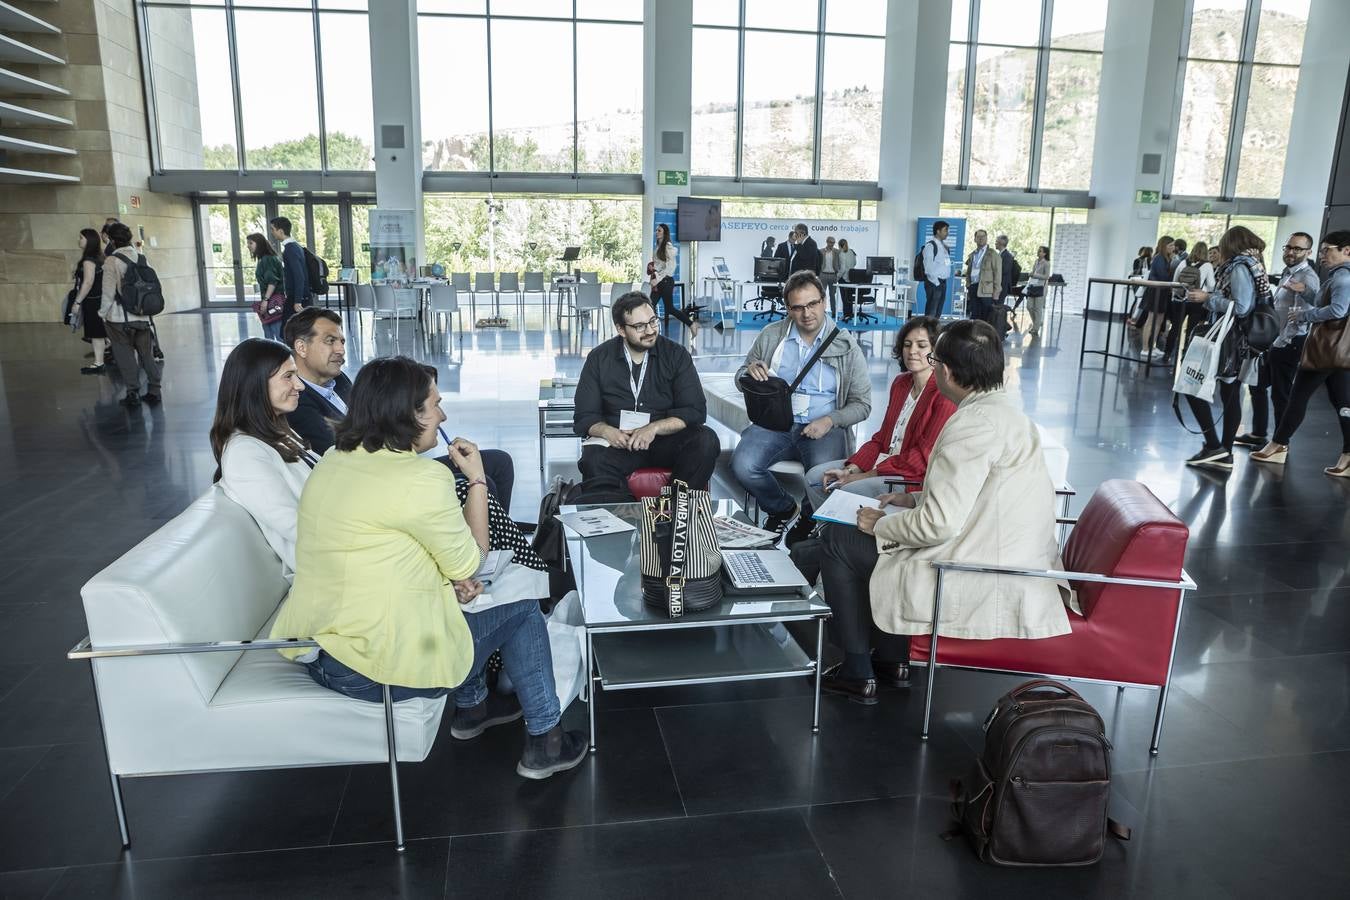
column 679, row 560
column 1327, row 346
column 269, row 310
column 769, row 403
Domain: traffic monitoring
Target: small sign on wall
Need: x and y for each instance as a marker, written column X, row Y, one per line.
column 1148, row 197
column 135, row 201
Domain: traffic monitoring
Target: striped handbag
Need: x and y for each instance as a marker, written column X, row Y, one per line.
column 680, row 563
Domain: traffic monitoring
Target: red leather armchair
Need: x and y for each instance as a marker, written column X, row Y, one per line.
column 648, row 482
column 1124, row 559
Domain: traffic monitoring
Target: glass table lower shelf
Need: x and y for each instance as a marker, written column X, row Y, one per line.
column 629, row 660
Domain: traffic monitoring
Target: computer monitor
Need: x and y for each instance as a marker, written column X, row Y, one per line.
column 698, row 219
column 720, row 267
column 771, row 269
column 347, row 274
column 881, row 265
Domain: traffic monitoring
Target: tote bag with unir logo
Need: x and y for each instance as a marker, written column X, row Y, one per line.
column 1197, row 375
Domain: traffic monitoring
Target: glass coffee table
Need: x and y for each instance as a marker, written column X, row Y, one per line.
column 630, row 645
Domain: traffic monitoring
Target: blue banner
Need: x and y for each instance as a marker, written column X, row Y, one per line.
column 956, row 249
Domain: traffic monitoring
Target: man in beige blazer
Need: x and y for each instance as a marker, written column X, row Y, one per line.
column 987, row 498
column 984, row 278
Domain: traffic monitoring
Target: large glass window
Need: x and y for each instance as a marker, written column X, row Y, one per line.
column 1021, row 60
column 1241, row 56
column 805, row 112
column 538, row 106
column 200, row 57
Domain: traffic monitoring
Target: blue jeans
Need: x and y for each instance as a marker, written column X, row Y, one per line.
column 517, row 629
column 272, row 330
column 760, row 448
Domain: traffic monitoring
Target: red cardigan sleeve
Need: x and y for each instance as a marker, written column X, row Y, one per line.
column 866, row 455
column 930, row 415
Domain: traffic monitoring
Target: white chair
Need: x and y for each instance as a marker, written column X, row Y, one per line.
column 534, row 284
column 588, row 300
column 444, row 301
column 187, row 679
column 589, row 277
column 483, row 283
column 396, row 303
column 617, row 290
column 509, row 283
column 365, row 300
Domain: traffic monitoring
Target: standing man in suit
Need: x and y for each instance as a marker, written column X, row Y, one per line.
column 294, row 269
column 808, row 254
column 984, row 278
column 787, row 249
column 320, row 348
column 1005, row 259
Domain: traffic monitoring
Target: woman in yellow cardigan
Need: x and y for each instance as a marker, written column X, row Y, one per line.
column 385, row 556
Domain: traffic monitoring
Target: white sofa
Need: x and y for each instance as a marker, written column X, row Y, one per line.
column 176, row 693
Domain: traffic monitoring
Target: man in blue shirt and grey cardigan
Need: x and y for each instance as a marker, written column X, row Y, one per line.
column 294, row 271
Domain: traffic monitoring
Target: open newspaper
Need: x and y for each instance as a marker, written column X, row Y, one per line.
column 733, row 534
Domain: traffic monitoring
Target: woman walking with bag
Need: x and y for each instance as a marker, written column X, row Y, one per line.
column 1157, row 301
column 1326, row 357
column 662, row 271
column 1241, row 278
column 1040, row 276
column 88, row 296
column 268, row 274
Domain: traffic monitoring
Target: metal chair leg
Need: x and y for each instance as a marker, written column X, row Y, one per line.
column 1167, row 683
column 932, row 655
column 393, row 767
column 113, row 777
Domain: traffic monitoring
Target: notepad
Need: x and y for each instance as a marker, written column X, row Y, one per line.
column 842, row 507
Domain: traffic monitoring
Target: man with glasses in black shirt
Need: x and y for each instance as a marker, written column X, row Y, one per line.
column 639, row 403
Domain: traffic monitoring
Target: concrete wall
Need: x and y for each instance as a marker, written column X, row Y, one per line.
column 40, row 224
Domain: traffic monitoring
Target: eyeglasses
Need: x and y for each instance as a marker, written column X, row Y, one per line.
column 805, row 307
column 652, row 324
column 1288, row 247
column 933, row 360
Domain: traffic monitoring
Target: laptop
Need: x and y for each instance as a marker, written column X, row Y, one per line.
column 762, row 571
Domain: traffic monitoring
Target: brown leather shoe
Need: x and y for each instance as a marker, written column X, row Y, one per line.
column 891, row 673
column 859, row 690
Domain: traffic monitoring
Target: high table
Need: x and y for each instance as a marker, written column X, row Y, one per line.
column 630, row 645
column 1114, row 284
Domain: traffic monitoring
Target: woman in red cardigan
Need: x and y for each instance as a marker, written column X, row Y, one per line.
column 914, row 418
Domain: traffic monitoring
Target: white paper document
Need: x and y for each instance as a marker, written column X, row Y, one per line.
column 594, row 522
column 842, row 507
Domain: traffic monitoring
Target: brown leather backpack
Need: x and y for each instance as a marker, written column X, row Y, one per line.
column 1038, row 794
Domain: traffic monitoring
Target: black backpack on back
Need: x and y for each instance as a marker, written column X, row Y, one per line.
column 1015, row 274
column 1037, row 795
column 140, row 293
column 317, row 271
column 1262, row 326
column 920, row 275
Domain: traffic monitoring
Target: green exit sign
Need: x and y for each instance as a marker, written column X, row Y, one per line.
column 1148, row 197
column 672, row 176
column 217, row 248
column 365, row 248
column 280, row 184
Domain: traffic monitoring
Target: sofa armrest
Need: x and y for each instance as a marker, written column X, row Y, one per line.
column 86, row 650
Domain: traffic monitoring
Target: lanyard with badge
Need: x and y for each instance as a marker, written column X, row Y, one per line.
column 631, row 419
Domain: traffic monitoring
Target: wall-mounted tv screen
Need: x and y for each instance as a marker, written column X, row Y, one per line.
column 698, row 219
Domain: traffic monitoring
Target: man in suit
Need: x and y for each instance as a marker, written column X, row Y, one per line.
column 1005, row 259
column 315, row 337
column 294, row 269
column 800, row 250
column 984, row 278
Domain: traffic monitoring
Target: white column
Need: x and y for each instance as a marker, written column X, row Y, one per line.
column 1134, row 119
column 394, row 90
column 917, row 36
column 1316, row 121
column 668, row 45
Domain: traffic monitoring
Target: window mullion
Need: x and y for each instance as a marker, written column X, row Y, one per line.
column 318, row 82
column 968, row 105
column 1038, row 110
column 818, row 118
column 241, row 160
column 492, row 134
column 1241, row 91
column 1178, row 96
column 740, row 91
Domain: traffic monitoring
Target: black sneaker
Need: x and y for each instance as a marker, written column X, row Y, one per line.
column 552, row 752
column 1214, row 457
column 497, row 709
column 151, row 399
column 1251, row 440
column 780, row 522
column 131, row 401
column 100, row 369
column 803, row 528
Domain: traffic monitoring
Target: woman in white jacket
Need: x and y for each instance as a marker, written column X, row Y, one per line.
column 261, row 463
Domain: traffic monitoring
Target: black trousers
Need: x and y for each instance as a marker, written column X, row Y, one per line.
column 1306, row 384
column 1183, row 317
column 935, row 295
column 845, row 557
column 665, row 291
column 1278, row 368
column 1230, row 396
column 691, row 455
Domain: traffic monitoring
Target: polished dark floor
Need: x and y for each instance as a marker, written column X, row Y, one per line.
column 708, row 792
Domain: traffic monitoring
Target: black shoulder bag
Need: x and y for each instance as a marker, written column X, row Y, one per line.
column 769, row 403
